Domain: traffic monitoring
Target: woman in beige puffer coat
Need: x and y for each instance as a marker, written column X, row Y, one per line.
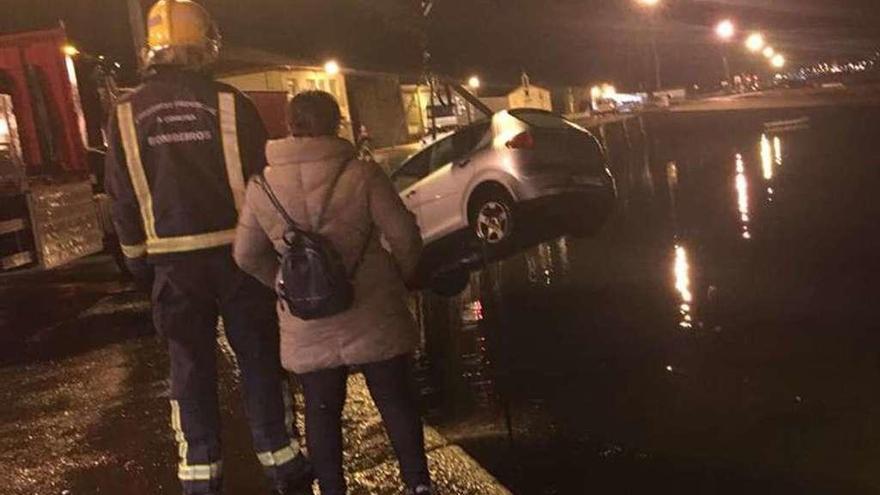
column 377, row 237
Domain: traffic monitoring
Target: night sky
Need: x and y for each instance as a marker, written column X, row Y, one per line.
column 556, row 41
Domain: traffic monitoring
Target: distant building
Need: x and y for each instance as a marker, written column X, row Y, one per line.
column 530, row 96
column 415, row 100
column 446, row 110
column 272, row 86
column 376, row 103
column 369, row 99
column 394, row 110
column 578, row 99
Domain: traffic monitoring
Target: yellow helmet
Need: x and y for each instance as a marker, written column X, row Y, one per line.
column 181, row 32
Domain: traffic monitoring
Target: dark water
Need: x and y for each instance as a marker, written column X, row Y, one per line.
column 718, row 336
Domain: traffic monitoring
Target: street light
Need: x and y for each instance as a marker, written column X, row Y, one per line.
column 769, row 52
column 755, row 42
column 474, row 83
column 331, row 67
column 778, row 61
column 725, row 30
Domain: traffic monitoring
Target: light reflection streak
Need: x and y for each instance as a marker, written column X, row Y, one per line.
column 777, row 160
column 777, row 150
column 564, row 254
column 548, row 262
column 771, row 158
column 742, row 191
column 767, row 157
column 682, row 273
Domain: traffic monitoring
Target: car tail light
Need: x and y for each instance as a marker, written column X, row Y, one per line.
column 522, row 141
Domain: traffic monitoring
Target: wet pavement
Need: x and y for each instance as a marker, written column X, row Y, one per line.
column 85, row 407
column 718, row 336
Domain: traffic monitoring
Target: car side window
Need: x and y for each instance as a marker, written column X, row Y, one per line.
column 482, row 137
column 443, row 153
column 457, row 146
column 413, row 171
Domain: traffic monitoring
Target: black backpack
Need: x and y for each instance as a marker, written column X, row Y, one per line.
column 314, row 281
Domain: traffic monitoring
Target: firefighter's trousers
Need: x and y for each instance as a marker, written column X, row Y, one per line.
column 189, row 295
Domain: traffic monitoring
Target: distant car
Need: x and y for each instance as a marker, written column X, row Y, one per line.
column 480, row 187
column 791, row 83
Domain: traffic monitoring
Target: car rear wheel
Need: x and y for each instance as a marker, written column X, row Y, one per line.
column 492, row 217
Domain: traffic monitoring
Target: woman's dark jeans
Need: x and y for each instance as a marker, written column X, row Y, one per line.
column 389, row 384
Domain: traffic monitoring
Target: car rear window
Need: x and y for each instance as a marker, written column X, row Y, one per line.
column 542, row 120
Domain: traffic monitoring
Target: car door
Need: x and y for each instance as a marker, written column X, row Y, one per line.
column 442, row 192
column 407, row 180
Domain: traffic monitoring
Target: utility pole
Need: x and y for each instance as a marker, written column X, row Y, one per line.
column 726, row 31
column 427, row 6
column 652, row 11
column 658, row 83
column 138, row 27
column 726, row 65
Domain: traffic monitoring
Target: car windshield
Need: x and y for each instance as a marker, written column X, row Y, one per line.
column 543, row 120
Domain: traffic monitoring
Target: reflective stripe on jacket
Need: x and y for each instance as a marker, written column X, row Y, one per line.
column 182, row 148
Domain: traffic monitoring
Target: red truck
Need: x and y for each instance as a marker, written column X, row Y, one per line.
column 50, row 154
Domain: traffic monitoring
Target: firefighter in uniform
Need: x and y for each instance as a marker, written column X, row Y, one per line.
column 182, row 147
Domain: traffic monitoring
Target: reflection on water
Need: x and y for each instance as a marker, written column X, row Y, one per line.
column 548, row 261
column 540, row 265
column 564, row 256
column 742, row 191
column 766, row 157
column 580, row 347
column 476, row 364
column 777, row 154
column 682, row 273
column 777, row 150
column 472, row 312
column 771, row 159
column 672, row 179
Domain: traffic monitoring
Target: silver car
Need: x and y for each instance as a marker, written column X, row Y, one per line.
column 493, row 182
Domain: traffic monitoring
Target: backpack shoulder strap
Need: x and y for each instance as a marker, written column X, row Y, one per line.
column 329, row 197
column 364, row 248
column 264, row 185
column 363, row 253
